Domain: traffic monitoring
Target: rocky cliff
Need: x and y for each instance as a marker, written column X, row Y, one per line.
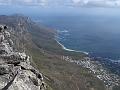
column 16, row 73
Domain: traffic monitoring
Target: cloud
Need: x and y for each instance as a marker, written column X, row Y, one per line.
column 99, row 3
column 28, row 1
column 85, row 3
column 76, row 1
column 5, row 2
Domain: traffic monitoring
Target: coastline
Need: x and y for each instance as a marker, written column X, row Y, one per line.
column 63, row 47
column 70, row 50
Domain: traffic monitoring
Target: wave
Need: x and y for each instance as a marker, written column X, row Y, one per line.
column 71, row 50
column 63, row 47
column 63, row 31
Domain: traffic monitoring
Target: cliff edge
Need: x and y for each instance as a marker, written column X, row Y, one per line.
column 16, row 73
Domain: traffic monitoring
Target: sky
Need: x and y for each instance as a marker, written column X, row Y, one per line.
column 77, row 3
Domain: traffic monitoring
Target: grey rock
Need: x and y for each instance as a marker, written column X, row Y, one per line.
column 16, row 73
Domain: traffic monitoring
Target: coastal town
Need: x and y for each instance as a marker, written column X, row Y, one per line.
column 110, row 80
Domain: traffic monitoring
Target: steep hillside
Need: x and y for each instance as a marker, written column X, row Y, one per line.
column 48, row 56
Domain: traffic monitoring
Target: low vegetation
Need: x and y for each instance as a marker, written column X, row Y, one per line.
column 46, row 52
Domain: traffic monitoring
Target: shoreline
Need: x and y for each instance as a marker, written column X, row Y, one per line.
column 70, row 50
column 67, row 49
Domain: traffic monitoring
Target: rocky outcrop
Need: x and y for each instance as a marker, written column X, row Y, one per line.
column 16, row 73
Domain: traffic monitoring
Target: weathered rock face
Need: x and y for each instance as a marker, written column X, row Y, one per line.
column 16, row 73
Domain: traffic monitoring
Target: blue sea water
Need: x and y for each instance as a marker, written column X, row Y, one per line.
column 100, row 36
column 94, row 30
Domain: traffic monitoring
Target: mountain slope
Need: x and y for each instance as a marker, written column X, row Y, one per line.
column 47, row 55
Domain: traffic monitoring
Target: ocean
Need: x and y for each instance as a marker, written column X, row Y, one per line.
column 98, row 35
column 93, row 30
